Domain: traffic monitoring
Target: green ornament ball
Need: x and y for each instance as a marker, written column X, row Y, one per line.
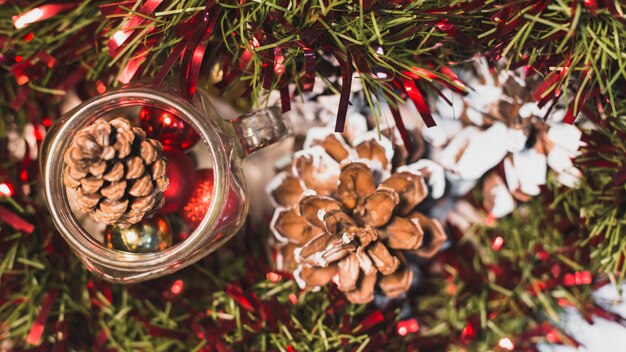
column 147, row 236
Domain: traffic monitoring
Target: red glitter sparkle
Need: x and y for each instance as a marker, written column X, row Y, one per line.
column 6, row 190
column 497, row 243
column 273, row 277
column 293, row 298
column 468, row 332
column 408, row 326
column 22, row 80
column 177, row 287
column 552, row 336
column 100, row 87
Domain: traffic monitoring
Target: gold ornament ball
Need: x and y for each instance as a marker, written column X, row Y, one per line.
column 147, row 236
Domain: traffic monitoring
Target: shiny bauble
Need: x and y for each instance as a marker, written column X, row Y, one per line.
column 181, row 172
column 197, row 207
column 167, row 128
column 147, row 236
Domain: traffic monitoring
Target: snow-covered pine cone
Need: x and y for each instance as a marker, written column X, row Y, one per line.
column 343, row 211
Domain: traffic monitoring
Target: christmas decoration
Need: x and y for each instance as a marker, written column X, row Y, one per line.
column 117, row 173
column 198, row 205
column 146, row 236
column 500, row 285
column 343, row 212
column 181, row 172
column 200, row 200
column 167, row 128
column 499, row 126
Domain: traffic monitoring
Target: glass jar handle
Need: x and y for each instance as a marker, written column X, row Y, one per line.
column 260, row 128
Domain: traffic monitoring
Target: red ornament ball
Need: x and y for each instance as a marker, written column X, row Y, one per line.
column 167, row 128
column 200, row 201
column 182, row 174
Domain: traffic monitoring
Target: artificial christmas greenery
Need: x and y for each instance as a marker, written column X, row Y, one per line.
column 496, row 285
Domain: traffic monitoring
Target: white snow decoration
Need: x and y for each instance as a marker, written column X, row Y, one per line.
column 319, row 86
column 517, row 77
column 324, row 108
column 356, row 125
column 445, row 130
column 273, row 185
column 309, row 192
column 515, row 140
column 484, row 151
column 320, row 133
column 277, row 213
column 559, row 160
column 325, row 166
column 296, row 276
column 565, row 136
column 357, row 84
column 382, row 140
column 570, row 177
column 436, row 181
column 444, row 110
column 531, row 169
column 321, row 213
column 19, row 141
column 503, row 202
column 557, row 115
column 475, row 116
column 328, row 102
column 479, row 100
column 527, row 110
column 532, row 109
column 447, row 157
column 378, row 173
column 410, row 116
column 485, row 73
column 308, row 110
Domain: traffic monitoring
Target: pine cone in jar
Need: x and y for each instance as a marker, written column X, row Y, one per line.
column 118, row 174
column 343, row 214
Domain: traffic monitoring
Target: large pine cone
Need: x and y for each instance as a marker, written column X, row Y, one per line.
column 335, row 218
column 119, row 175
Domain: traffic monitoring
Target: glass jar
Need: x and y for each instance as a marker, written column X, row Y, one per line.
column 222, row 146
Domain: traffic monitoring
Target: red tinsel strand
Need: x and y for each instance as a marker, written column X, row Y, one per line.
column 40, row 13
column 346, row 88
column 129, row 29
column 37, row 329
column 416, row 96
column 196, row 49
column 268, row 68
column 15, row 221
column 404, row 134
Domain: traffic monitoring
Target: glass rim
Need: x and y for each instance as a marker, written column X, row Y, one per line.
column 58, row 203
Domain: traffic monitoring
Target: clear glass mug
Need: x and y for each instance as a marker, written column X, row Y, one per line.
column 223, row 145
